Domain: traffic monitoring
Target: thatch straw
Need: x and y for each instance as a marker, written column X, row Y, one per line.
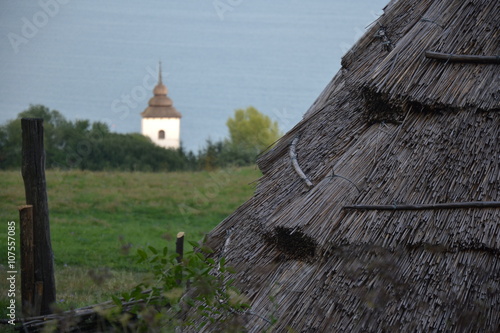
column 399, row 129
column 404, row 73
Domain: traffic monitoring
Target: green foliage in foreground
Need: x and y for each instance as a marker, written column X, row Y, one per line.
column 191, row 292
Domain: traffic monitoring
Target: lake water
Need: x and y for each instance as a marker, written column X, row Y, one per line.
column 98, row 60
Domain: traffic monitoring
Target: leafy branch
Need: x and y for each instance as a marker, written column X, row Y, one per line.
column 192, row 292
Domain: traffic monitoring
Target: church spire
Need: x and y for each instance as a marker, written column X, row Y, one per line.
column 160, row 88
column 159, row 75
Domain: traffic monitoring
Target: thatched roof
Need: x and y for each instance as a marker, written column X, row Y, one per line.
column 419, row 137
column 410, row 28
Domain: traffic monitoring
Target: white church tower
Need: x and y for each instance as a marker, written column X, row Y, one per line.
column 161, row 121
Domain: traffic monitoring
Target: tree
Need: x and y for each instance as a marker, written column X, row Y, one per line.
column 10, row 134
column 88, row 146
column 84, row 145
column 251, row 131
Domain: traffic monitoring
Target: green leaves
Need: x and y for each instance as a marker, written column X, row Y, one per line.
column 196, row 291
column 251, row 130
column 153, row 250
column 143, row 256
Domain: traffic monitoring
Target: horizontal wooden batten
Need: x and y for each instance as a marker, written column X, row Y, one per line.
column 462, row 57
column 450, row 205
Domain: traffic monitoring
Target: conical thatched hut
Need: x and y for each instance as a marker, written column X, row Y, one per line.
column 380, row 210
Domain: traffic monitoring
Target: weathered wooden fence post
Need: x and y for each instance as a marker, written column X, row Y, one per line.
column 179, row 249
column 179, row 246
column 27, row 263
column 33, row 171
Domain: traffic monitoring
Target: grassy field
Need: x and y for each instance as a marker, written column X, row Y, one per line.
column 98, row 221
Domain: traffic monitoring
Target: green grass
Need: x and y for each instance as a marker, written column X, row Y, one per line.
column 98, row 220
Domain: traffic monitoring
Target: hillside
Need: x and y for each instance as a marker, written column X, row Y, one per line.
column 98, row 219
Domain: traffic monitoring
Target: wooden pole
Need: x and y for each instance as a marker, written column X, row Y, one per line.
column 462, row 57
column 27, row 261
column 449, row 205
column 179, row 249
column 38, row 297
column 179, row 246
column 295, row 163
column 33, row 171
